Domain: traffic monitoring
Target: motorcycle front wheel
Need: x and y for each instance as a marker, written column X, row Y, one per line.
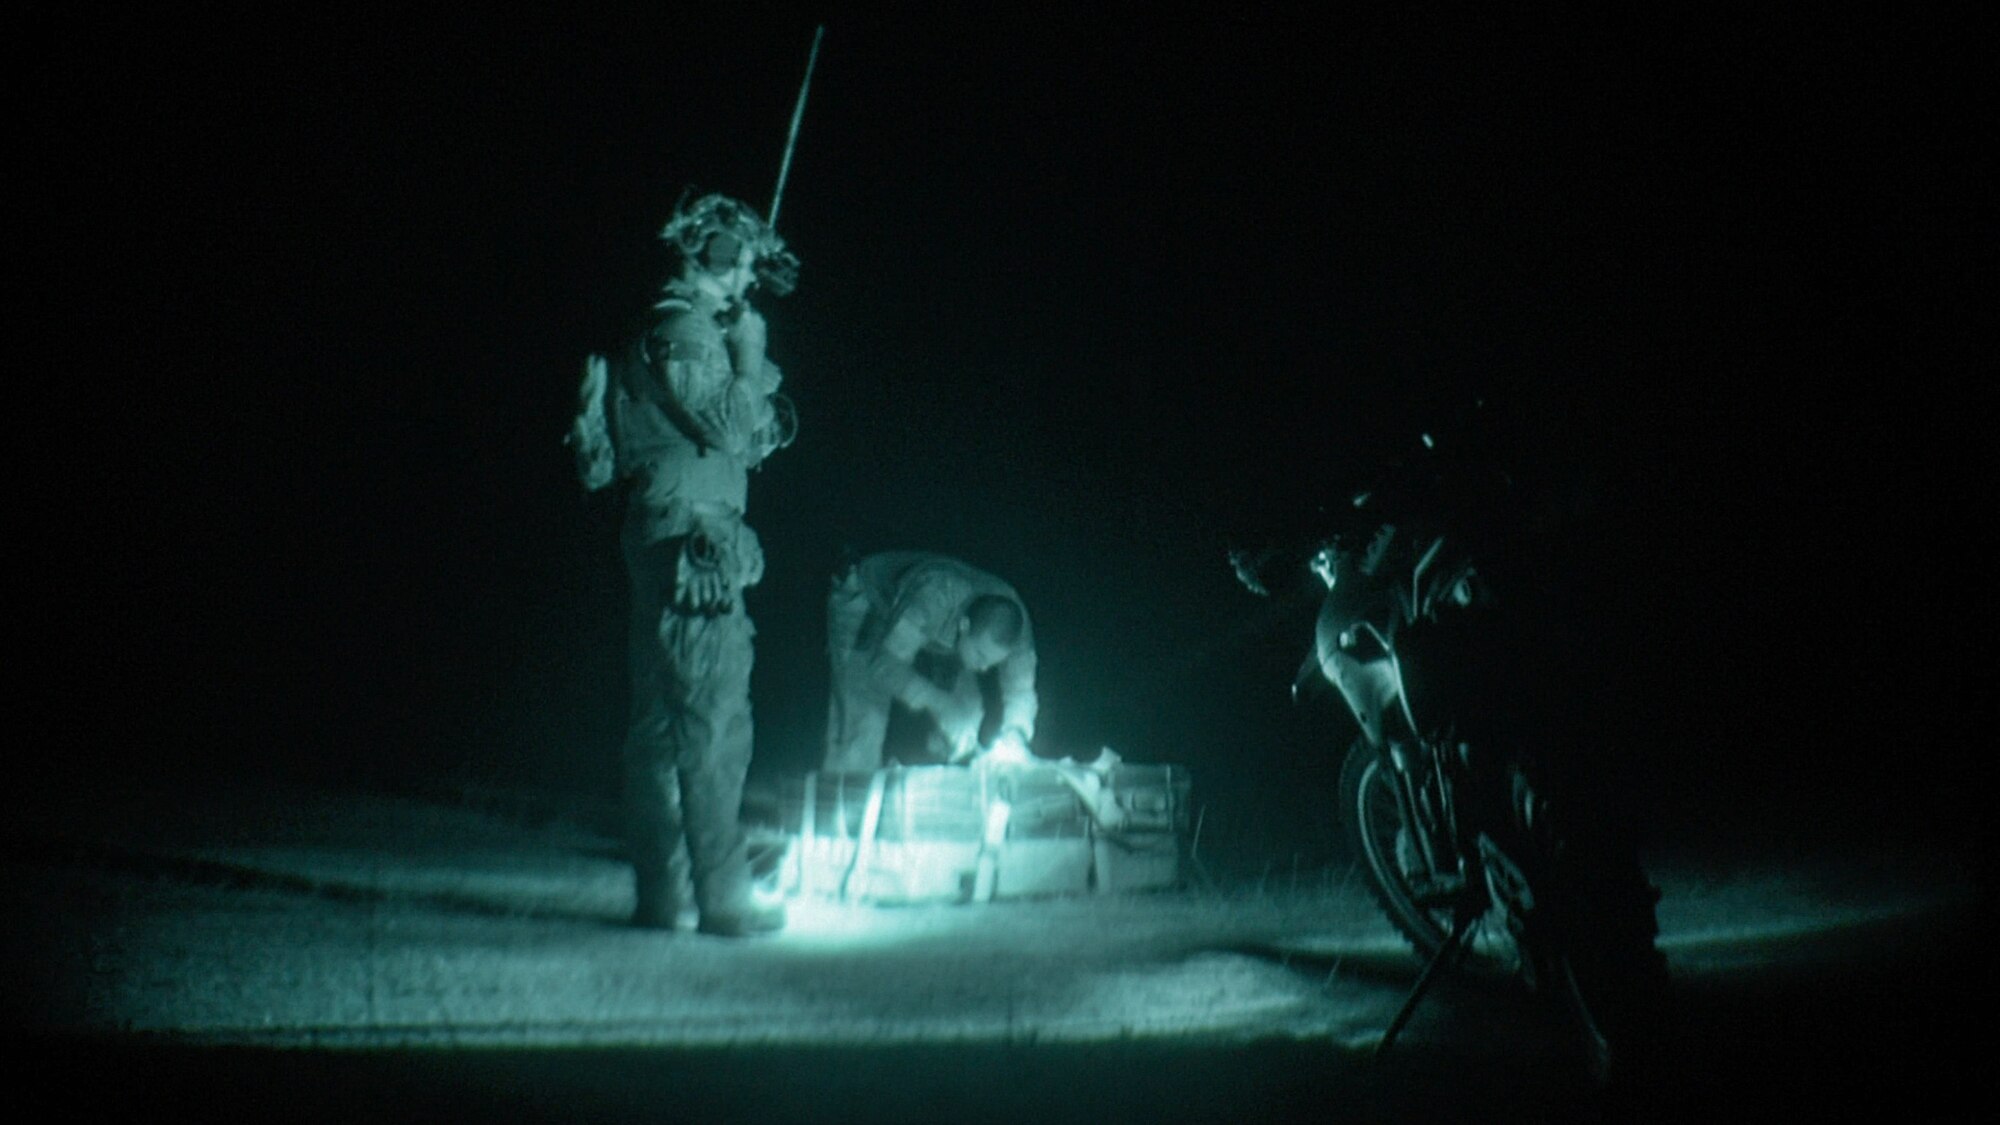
column 1418, row 889
column 1590, row 949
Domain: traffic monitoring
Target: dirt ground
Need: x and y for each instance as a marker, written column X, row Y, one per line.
column 306, row 954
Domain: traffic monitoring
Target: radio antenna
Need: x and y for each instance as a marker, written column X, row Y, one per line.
column 798, row 111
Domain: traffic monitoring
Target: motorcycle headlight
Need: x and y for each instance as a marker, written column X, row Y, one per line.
column 1326, row 566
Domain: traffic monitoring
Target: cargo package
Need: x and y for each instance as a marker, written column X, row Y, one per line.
column 949, row 833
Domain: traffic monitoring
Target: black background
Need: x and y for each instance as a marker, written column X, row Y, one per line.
column 1086, row 300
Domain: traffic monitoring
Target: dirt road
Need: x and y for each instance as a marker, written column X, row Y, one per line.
column 303, row 951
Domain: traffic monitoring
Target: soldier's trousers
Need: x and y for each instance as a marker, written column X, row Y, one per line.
column 687, row 748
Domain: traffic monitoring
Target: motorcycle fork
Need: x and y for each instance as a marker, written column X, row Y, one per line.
column 1469, row 903
column 1427, row 827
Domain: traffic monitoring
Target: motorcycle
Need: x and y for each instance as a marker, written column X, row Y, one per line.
column 1471, row 851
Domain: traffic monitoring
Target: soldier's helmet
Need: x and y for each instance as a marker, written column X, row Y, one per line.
column 712, row 231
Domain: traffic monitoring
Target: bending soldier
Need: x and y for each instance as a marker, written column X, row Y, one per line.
column 921, row 630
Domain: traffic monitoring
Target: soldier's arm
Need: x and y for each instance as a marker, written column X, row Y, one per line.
column 894, row 666
column 1018, row 702
column 703, row 392
column 745, row 337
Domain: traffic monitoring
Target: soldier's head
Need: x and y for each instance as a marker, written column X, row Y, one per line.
column 989, row 631
column 723, row 244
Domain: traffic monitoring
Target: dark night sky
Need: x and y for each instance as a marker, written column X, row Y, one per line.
column 1085, row 300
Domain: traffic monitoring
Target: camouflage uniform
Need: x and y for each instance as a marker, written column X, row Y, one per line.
column 687, row 432
column 888, row 615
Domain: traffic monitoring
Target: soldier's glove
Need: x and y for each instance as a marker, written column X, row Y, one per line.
column 1010, row 745
column 718, row 558
column 701, row 580
column 958, row 720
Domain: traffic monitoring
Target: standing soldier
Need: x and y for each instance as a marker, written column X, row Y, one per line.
column 681, row 417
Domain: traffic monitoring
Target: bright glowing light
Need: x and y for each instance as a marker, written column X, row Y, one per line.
column 1324, row 566
column 1007, row 750
column 767, row 894
column 818, row 920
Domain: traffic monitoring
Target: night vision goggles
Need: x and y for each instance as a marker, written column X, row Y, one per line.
column 713, row 231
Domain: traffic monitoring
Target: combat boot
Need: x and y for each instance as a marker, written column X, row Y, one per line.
column 656, row 911
column 663, row 896
column 728, row 900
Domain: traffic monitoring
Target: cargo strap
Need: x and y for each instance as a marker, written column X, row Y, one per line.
column 808, row 833
column 864, row 843
column 986, row 869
